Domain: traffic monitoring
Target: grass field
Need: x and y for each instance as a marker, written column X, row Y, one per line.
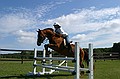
column 14, row 70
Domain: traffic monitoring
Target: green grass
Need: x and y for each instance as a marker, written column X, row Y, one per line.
column 107, row 69
column 15, row 70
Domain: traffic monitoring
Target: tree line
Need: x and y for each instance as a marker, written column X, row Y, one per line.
column 114, row 48
column 30, row 55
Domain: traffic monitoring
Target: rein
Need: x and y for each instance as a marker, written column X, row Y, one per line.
column 45, row 41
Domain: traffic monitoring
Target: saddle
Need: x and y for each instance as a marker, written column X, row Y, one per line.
column 63, row 36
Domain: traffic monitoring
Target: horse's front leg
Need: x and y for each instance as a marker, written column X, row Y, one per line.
column 46, row 47
column 52, row 46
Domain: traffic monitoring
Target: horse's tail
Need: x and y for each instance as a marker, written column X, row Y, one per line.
column 86, row 57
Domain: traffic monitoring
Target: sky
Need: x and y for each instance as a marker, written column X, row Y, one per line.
column 86, row 21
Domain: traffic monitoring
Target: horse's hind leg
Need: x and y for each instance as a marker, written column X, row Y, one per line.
column 82, row 66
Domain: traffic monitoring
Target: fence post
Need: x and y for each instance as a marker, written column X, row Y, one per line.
column 119, row 55
column 34, row 63
column 43, row 62
column 21, row 57
column 77, row 58
column 91, row 61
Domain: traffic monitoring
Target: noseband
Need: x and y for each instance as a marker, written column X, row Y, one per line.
column 41, row 37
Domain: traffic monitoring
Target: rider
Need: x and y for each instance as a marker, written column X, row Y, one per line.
column 59, row 30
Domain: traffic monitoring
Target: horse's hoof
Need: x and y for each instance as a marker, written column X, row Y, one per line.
column 82, row 72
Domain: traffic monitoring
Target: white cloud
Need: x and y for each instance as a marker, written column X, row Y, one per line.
column 25, row 34
column 22, row 22
column 26, row 37
column 26, row 40
column 92, row 25
column 79, row 37
column 25, row 19
column 87, row 25
column 13, row 22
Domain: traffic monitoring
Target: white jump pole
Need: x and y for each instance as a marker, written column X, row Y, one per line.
column 66, row 62
column 35, row 62
column 91, row 61
column 77, row 59
column 44, row 55
column 51, row 62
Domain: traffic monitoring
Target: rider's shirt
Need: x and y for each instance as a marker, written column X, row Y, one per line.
column 60, row 31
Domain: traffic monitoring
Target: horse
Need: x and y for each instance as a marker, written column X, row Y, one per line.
column 56, row 42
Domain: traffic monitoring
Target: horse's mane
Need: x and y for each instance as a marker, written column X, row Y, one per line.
column 49, row 29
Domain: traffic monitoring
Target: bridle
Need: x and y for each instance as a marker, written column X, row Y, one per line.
column 41, row 37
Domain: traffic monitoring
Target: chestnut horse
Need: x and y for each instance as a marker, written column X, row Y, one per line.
column 56, row 42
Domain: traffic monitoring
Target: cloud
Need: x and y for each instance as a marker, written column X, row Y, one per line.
column 22, row 22
column 14, row 22
column 100, row 26
column 79, row 37
column 26, row 37
column 86, row 18
column 91, row 25
column 23, row 18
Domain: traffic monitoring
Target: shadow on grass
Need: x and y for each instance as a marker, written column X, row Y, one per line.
column 50, row 76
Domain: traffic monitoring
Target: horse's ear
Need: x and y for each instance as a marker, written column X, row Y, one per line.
column 38, row 30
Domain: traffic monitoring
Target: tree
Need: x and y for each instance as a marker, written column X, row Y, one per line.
column 116, row 47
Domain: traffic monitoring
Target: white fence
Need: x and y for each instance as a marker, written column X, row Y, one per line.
column 74, row 70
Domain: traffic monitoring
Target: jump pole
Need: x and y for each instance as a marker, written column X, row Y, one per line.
column 91, row 76
column 77, row 59
column 35, row 62
column 44, row 55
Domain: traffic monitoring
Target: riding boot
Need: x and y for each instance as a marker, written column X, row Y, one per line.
column 68, row 45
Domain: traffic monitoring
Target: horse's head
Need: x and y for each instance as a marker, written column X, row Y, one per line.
column 41, row 37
